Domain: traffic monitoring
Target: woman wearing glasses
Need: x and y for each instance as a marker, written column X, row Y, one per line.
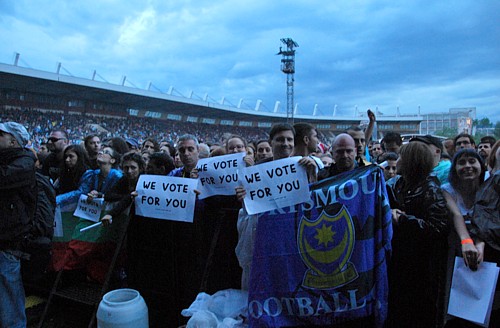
column 92, row 250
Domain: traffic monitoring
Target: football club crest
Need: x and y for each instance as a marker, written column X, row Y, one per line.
column 326, row 245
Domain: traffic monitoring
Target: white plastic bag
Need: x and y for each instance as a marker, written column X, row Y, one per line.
column 224, row 309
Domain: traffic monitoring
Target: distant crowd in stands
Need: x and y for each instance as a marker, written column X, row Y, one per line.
column 40, row 123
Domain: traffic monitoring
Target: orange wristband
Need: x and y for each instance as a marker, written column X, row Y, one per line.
column 467, row 241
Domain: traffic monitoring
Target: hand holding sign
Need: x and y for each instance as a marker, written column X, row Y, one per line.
column 89, row 208
column 219, row 175
column 168, row 198
column 274, row 185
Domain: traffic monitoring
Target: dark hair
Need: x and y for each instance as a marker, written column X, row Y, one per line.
column 135, row 157
column 279, row 127
column 119, row 145
column 390, row 156
column 303, row 129
column 259, row 142
column 466, row 152
column 156, row 145
column 171, row 149
column 488, row 139
column 464, row 135
column 114, row 154
column 162, row 159
column 69, row 179
column 63, row 132
column 391, row 137
column 88, row 138
column 416, row 162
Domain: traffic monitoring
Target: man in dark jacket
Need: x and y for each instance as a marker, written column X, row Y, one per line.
column 17, row 208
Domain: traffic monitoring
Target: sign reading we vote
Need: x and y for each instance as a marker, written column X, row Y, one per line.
column 274, row 185
column 219, row 175
column 167, row 198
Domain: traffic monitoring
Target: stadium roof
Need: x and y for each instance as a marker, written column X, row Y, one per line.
column 26, row 80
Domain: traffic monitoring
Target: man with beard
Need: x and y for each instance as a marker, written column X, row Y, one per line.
column 92, row 146
column 343, row 153
column 57, row 141
column 485, row 145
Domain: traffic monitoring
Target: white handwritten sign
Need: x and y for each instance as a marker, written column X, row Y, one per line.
column 167, row 198
column 274, row 185
column 89, row 209
column 219, row 175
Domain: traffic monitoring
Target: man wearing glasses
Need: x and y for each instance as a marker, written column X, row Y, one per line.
column 57, row 141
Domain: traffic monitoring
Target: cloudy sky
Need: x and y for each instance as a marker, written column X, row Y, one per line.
column 386, row 54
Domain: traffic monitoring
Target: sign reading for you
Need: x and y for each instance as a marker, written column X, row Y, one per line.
column 219, row 175
column 167, row 198
column 274, row 185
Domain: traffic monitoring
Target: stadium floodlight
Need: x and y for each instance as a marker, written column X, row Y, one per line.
column 288, row 67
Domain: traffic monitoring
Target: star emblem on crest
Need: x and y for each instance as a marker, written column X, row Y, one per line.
column 324, row 235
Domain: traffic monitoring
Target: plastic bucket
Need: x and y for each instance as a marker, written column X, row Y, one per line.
column 122, row 308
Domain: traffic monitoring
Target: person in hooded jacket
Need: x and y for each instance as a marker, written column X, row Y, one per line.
column 17, row 208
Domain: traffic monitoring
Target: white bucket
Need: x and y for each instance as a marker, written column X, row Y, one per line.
column 122, row 308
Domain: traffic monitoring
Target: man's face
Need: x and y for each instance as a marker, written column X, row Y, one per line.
column 282, row 144
column 94, row 145
column 131, row 170
column 149, row 147
column 463, row 142
column 188, row 153
column 56, row 142
column 359, row 141
column 484, row 149
column 313, row 141
column 376, row 150
column 6, row 140
column 344, row 152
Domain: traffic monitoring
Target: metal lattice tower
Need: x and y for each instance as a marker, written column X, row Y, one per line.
column 288, row 67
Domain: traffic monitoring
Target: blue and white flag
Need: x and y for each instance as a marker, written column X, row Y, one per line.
column 323, row 262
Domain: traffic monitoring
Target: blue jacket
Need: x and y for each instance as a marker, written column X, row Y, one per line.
column 89, row 182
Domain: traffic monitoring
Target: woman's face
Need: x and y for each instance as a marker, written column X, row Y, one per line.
column 104, row 155
column 131, row 170
column 390, row 170
column 468, row 168
column 177, row 160
column 70, row 159
column 264, row 150
column 250, row 152
column 235, row 145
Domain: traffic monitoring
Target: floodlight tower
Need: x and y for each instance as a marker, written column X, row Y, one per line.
column 288, row 67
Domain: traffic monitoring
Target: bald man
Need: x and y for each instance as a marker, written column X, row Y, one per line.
column 344, row 154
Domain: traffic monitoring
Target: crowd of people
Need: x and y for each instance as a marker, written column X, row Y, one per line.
column 444, row 198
